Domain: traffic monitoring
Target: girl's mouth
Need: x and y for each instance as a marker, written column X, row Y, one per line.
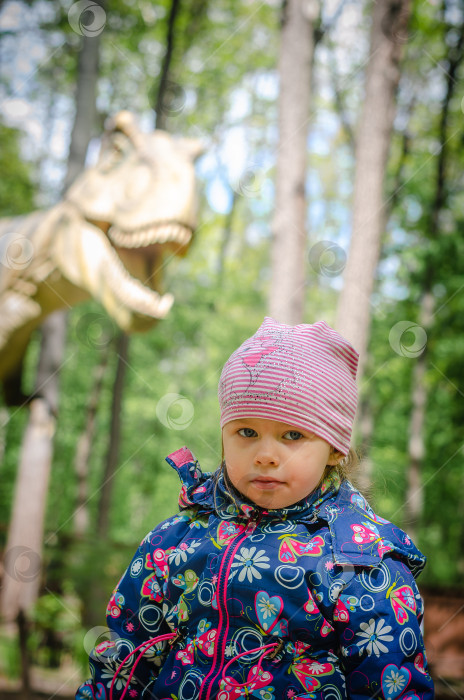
column 266, row 483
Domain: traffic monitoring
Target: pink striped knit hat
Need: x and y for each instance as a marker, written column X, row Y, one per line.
column 302, row 375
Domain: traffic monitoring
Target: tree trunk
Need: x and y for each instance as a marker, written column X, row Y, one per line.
column 26, row 527
column 416, row 448
column 86, row 106
column 389, row 25
column 115, row 439
column 166, row 86
column 25, row 534
column 84, row 444
column 25, row 659
column 366, row 430
column 226, row 236
column 288, row 255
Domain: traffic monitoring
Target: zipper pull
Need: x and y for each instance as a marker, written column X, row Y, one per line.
column 251, row 527
column 277, row 650
column 172, row 642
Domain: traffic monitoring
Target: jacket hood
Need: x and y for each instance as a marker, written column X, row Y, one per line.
column 359, row 538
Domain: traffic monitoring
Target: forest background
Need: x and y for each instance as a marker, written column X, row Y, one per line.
column 223, row 88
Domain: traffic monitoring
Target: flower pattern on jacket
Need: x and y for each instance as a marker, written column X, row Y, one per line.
column 248, row 562
column 312, row 601
column 374, row 636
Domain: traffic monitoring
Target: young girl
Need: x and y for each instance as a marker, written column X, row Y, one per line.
column 276, row 580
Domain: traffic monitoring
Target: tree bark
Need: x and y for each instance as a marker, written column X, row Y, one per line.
column 226, row 236
column 286, row 299
column 25, row 659
column 112, row 457
column 166, row 84
column 25, row 535
column 84, row 444
column 416, row 447
column 366, row 426
column 86, row 106
column 389, row 25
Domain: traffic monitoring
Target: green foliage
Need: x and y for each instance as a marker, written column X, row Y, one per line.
column 9, row 655
column 17, row 188
column 55, row 627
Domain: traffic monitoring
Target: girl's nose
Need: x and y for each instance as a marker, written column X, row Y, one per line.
column 266, row 453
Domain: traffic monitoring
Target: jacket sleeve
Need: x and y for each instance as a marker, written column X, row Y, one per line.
column 378, row 617
column 134, row 615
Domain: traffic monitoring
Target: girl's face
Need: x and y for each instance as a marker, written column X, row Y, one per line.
column 274, row 464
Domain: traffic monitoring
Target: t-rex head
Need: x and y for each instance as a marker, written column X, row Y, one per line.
column 141, row 194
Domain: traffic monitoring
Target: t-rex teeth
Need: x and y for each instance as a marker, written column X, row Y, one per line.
column 183, row 236
column 161, row 233
column 166, row 301
column 133, row 294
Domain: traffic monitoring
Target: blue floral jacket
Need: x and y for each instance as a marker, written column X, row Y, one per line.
column 227, row 600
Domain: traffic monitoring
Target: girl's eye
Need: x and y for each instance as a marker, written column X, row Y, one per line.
column 293, row 435
column 247, row 432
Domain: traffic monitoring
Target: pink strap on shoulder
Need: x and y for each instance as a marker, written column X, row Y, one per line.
column 181, row 457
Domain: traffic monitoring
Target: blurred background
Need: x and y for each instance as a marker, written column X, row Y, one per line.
column 330, row 186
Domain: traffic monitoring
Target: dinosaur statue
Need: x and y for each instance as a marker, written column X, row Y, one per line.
column 106, row 239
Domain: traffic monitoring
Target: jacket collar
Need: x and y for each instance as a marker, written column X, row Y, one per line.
column 210, row 491
column 359, row 538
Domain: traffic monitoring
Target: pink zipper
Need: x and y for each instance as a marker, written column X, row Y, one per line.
column 208, row 681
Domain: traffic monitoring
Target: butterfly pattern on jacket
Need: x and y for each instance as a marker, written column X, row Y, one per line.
column 345, row 603
column 367, row 534
column 188, row 582
column 402, row 601
column 256, row 686
column 291, row 548
column 203, row 640
column 308, row 671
